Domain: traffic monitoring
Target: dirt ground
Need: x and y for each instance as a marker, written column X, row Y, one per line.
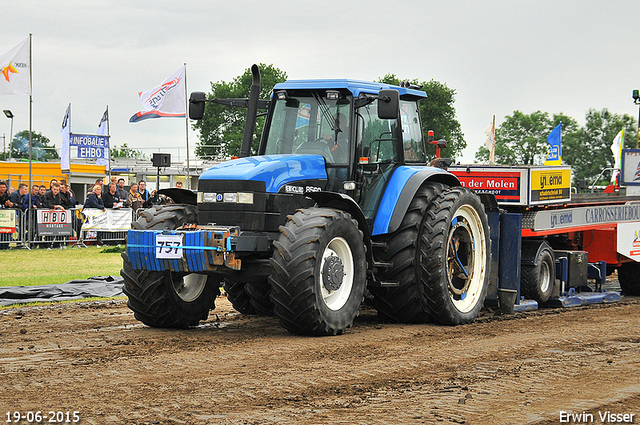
column 96, row 359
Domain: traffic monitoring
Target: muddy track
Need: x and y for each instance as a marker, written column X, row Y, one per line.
column 95, row 358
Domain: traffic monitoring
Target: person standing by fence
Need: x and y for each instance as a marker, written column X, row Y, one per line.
column 135, row 200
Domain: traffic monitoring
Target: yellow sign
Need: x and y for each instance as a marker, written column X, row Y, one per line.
column 548, row 184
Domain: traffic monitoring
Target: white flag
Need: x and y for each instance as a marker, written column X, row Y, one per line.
column 166, row 100
column 65, row 130
column 103, row 130
column 616, row 149
column 14, row 69
column 490, row 143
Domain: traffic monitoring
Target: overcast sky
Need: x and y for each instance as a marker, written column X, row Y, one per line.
column 499, row 56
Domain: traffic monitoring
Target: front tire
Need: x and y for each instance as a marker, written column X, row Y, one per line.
column 454, row 250
column 319, row 272
column 168, row 299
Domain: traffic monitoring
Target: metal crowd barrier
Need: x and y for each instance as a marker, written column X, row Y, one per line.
column 26, row 233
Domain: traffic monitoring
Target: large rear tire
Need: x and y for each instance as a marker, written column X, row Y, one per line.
column 167, row 299
column 319, row 272
column 249, row 297
column 629, row 278
column 403, row 303
column 454, row 252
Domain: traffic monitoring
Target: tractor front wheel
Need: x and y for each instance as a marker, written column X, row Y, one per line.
column 319, row 272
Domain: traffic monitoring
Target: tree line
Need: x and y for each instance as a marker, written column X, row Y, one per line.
column 521, row 139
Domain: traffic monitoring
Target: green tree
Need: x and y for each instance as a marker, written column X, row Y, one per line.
column 589, row 151
column 41, row 147
column 126, row 152
column 438, row 114
column 222, row 127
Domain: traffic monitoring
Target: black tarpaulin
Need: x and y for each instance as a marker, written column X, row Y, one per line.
column 97, row 286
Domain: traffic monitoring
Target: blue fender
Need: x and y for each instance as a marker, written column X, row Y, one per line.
column 402, row 187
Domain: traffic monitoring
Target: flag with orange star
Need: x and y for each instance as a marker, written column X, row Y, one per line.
column 15, row 75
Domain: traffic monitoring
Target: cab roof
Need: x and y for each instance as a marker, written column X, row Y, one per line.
column 354, row 86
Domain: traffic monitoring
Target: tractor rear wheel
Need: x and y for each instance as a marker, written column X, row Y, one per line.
column 454, row 252
column 629, row 278
column 249, row 297
column 319, row 272
column 237, row 296
column 168, row 299
column 403, row 303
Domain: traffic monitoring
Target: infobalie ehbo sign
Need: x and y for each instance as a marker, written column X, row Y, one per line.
column 90, row 146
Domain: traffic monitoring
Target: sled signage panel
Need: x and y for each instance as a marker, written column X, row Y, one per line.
column 509, row 185
column 550, row 185
column 567, row 218
column 629, row 240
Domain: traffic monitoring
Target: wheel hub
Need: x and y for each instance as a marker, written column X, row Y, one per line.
column 333, row 273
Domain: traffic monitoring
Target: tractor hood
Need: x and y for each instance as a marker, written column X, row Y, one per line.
column 274, row 170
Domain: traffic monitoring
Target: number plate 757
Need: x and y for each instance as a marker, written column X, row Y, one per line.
column 167, row 246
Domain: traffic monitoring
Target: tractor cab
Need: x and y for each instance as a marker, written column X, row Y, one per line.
column 363, row 130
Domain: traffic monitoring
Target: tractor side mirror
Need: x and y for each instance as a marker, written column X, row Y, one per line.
column 196, row 105
column 388, row 104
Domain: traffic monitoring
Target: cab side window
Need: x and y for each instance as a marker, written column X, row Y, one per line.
column 412, row 138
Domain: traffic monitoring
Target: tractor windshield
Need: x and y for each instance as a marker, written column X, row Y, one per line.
column 311, row 122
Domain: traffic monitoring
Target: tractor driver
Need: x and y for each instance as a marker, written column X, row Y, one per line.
column 338, row 142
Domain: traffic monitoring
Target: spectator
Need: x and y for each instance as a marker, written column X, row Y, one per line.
column 68, row 200
column 179, row 185
column 42, row 190
column 94, row 200
column 34, row 196
column 4, row 196
column 111, row 198
column 135, row 200
column 5, row 238
column 18, row 198
column 122, row 193
column 51, row 182
column 52, row 198
column 144, row 193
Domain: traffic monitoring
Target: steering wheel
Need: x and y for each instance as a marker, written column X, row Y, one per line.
column 318, row 147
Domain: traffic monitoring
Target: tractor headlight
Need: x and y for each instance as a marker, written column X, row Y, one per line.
column 245, row 198
column 209, row 197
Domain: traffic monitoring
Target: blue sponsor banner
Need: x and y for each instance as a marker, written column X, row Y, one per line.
column 91, row 152
column 90, row 146
column 89, row 140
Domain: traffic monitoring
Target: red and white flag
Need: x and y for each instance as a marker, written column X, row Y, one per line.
column 166, row 100
column 15, row 64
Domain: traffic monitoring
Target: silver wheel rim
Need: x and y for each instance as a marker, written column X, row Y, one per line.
column 336, row 299
column 466, row 259
column 189, row 287
column 544, row 278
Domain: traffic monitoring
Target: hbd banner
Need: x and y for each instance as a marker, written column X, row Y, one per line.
column 54, row 223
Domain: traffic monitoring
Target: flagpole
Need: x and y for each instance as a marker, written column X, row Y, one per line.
column 186, row 120
column 493, row 141
column 108, row 141
column 30, row 127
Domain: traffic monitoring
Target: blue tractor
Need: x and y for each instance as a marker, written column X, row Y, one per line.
column 339, row 204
